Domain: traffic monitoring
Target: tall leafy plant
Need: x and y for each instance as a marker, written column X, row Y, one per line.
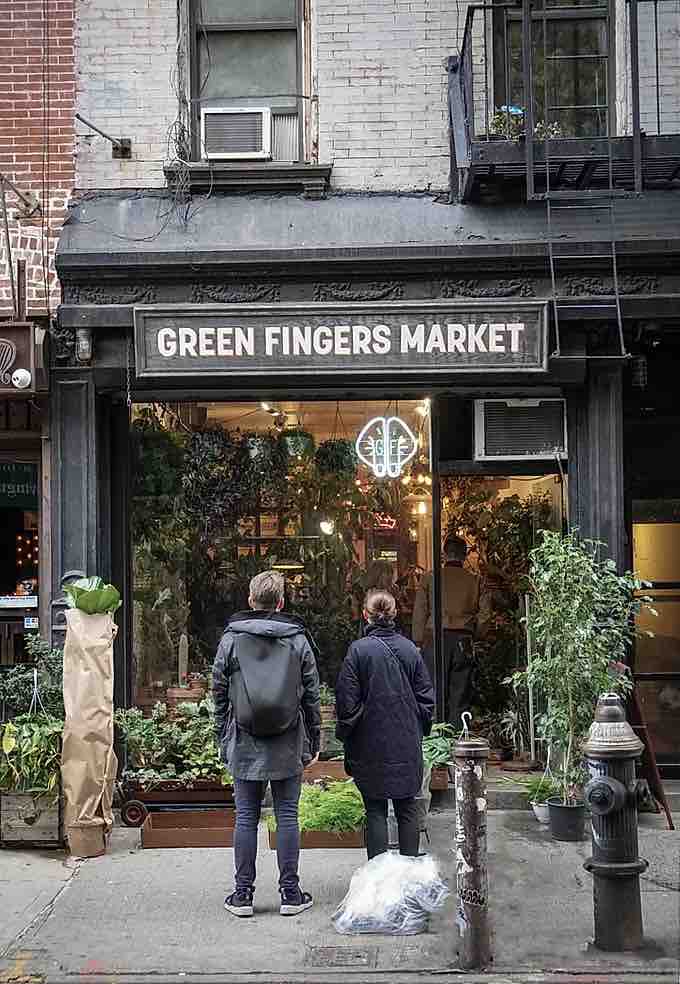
column 581, row 619
column 30, row 755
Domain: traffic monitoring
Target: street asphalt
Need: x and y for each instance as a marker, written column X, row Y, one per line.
column 135, row 916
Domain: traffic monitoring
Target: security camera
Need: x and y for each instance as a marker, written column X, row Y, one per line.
column 21, row 379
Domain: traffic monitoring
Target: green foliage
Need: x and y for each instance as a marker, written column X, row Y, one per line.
column 326, row 695
column 30, row 754
column 182, row 749
column 582, row 622
column 337, row 457
column 92, row 596
column 438, row 746
column 157, row 456
column 336, row 807
column 16, row 682
column 537, row 789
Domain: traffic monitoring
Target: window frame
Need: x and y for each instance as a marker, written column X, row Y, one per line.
column 296, row 105
column 503, row 15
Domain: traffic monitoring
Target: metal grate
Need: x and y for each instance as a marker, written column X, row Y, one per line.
column 235, row 134
column 285, row 137
column 533, row 430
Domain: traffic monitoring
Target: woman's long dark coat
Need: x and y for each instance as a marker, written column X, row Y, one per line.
column 384, row 706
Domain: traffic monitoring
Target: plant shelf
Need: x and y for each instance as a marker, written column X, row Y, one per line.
column 189, row 828
column 324, row 839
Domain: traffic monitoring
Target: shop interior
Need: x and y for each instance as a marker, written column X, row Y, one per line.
column 339, row 497
column 19, row 553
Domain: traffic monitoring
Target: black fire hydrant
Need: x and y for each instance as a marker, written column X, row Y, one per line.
column 611, row 751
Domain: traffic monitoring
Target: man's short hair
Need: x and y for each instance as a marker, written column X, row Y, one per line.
column 267, row 591
column 455, row 548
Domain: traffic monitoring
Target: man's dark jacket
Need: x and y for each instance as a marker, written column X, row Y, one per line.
column 280, row 756
column 384, row 706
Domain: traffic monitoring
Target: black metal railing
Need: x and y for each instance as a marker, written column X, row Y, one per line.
column 642, row 94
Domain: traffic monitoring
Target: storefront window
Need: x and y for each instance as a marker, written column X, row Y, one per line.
column 19, row 557
column 337, row 496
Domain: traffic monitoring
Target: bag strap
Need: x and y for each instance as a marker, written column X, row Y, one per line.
column 398, row 661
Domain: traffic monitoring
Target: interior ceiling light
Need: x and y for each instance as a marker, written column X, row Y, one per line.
column 327, row 526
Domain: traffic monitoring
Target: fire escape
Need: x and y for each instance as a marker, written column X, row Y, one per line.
column 539, row 112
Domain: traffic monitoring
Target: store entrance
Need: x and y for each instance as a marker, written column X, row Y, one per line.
column 493, row 522
column 336, row 495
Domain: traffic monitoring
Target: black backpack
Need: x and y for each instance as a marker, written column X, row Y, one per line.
column 265, row 685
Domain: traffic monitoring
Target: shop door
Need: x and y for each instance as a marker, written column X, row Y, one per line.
column 656, row 559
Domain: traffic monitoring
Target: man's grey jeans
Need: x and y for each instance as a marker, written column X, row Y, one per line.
column 248, row 796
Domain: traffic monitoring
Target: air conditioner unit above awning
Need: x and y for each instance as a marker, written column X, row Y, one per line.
column 513, row 430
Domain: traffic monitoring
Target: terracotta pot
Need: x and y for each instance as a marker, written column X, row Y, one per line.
column 439, row 778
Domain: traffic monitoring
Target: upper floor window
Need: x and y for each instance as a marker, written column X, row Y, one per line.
column 570, row 66
column 247, row 80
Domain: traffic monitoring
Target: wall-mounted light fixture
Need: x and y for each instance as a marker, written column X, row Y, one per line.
column 84, row 345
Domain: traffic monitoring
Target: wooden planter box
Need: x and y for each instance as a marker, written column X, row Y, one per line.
column 325, row 770
column 324, row 839
column 439, row 778
column 138, row 801
column 184, row 695
column 189, row 828
column 30, row 821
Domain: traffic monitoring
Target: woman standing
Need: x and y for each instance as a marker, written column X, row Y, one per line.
column 384, row 704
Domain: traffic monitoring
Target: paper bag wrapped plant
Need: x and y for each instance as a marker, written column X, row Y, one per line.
column 88, row 764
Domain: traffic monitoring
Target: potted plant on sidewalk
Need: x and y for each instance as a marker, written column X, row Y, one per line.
column 438, row 754
column 581, row 619
column 537, row 790
column 30, row 764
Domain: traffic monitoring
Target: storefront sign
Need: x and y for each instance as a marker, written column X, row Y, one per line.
column 385, row 445
column 18, row 485
column 423, row 336
column 17, row 359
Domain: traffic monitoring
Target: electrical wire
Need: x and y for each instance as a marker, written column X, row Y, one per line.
column 45, row 177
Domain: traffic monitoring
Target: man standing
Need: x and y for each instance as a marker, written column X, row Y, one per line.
column 267, row 716
column 460, row 611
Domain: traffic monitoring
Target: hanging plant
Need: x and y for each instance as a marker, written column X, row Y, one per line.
column 337, row 457
column 269, row 464
column 218, row 478
column 300, row 443
column 157, row 457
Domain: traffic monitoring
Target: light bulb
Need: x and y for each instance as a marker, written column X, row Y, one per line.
column 327, row 526
column 265, row 406
column 422, row 508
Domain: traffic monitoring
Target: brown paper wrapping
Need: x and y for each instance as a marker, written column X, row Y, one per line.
column 88, row 762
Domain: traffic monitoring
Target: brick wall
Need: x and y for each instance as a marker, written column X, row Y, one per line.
column 125, row 60
column 37, row 86
column 383, row 115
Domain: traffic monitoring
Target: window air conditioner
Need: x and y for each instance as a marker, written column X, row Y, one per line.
column 236, row 134
column 513, row 430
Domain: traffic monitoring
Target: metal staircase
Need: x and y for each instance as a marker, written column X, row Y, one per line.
column 563, row 203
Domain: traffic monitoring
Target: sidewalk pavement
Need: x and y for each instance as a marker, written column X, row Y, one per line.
column 138, row 915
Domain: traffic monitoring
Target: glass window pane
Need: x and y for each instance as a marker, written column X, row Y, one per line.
column 310, row 509
column 575, row 78
column 247, row 64
column 236, row 11
column 20, row 552
column 660, row 701
column 576, row 37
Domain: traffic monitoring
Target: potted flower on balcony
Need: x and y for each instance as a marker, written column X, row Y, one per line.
column 331, row 814
column 581, row 618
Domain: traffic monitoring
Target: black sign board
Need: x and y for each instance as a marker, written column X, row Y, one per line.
column 408, row 336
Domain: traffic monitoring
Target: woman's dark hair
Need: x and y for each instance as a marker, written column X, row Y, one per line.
column 380, row 606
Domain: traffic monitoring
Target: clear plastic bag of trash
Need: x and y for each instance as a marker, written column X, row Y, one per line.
column 391, row 895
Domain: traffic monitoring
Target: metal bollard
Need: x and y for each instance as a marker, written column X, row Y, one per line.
column 610, row 751
column 474, row 949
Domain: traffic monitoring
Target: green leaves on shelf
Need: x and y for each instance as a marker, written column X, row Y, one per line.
column 438, row 746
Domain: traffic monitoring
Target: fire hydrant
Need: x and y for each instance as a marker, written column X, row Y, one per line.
column 611, row 751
